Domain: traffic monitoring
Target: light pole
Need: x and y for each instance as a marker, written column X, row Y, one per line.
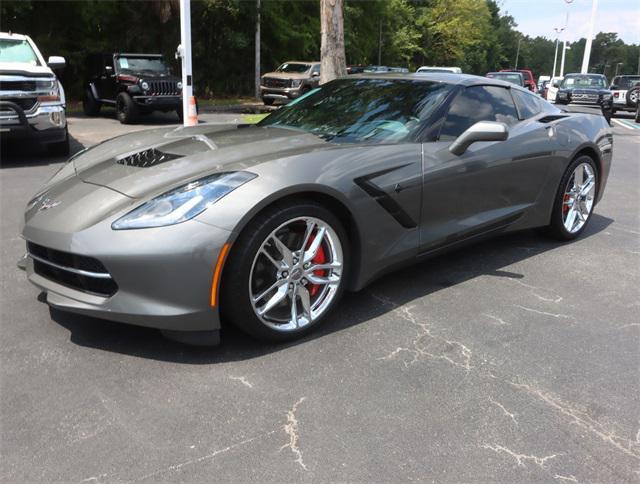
column 518, row 53
column 565, row 48
column 587, row 47
column 555, row 57
column 617, row 67
column 189, row 114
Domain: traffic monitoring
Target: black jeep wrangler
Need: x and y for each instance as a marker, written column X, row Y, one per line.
column 134, row 84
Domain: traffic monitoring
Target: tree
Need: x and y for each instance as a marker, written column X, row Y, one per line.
column 332, row 56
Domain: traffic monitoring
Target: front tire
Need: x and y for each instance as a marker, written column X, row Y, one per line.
column 126, row 109
column 286, row 272
column 575, row 199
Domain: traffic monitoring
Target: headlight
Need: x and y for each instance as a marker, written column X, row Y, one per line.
column 179, row 85
column 183, row 203
column 53, row 91
column 145, row 85
column 606, row 97
column 296, row 82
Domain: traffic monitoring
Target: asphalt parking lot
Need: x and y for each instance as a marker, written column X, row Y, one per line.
column 514, row 360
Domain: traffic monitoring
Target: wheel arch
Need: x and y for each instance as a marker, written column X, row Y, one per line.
column 592, row 152
column 328, row 198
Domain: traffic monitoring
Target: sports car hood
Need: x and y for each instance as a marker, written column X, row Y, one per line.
column 147, row 162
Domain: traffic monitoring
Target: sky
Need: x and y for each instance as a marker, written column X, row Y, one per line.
column 539, row 17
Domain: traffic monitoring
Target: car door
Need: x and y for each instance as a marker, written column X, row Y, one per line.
column 107, row 79
column 492, row 184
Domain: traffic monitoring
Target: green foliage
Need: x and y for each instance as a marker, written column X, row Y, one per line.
column 471, row 34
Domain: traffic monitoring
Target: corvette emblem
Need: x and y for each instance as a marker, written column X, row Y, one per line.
column 47, row 203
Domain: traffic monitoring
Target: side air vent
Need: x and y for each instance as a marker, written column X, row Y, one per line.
column 552, row 117
column 147, row 158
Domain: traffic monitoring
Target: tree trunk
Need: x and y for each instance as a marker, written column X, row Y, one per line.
column 332, row 56
column 257, row 52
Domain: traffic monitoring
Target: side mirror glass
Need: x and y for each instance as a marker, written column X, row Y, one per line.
column 555, row 84
column 481, row 131
column 56, row 62
column 315, row 74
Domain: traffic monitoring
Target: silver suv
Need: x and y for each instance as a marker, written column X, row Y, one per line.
column 289, row 81
column 32, row 102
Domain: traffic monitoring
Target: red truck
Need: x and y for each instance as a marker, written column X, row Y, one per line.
column 529, row 79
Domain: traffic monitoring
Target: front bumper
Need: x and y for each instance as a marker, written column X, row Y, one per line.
column 159, row 102
column 163, row 275
column 47, row 123
column 284, row 93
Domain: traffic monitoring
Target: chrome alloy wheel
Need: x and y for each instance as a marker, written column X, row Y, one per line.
column 296, row 274
column 578, row 198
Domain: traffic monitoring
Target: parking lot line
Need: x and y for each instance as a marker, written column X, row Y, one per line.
column 627, row 124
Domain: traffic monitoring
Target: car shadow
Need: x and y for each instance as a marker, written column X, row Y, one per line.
column 440, row 273
column 17, row 154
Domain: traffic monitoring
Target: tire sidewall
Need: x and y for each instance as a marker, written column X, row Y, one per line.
column 557, row 224
column 125, row 108
column 235, row 298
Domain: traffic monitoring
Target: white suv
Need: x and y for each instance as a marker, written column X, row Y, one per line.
column 620, row 87
column 32, row 102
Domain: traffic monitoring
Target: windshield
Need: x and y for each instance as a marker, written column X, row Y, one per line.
column 13, row 50
column 293, row 68
column 152, row 65
column 626, row 82
column 362, row 110
column 595, row 82
column 512, row 78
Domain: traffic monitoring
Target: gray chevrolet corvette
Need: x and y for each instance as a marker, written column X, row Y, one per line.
column 264, row 226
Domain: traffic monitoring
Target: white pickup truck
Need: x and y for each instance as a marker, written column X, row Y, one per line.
column 625, row 97
column 32, row 102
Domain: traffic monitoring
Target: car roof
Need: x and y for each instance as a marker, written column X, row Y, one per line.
column 301, row 62
column 443, row 77
column 137, row 54
column 11, row 35
column 588, row 74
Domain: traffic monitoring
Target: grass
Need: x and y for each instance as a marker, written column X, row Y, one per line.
column 254, row 118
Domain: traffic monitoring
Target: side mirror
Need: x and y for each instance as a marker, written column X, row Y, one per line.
column 108, row 68
column 56, row 62
column 315, row 74
column 481, row 131
column 555, row 84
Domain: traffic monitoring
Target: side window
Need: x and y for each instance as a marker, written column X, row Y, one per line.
column 478, row 103
column 528, row 104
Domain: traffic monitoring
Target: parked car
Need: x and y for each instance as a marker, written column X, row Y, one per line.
column 454, row 70
column 544, row 89
column 134, row 84
column 289, row 81
column 355, row 69
column 529, row 79
column 267, row 225
column 32, row 101
column 542, row 80
column 622, row 100
column 552, row 90
column 586, row 89
column 513, row 77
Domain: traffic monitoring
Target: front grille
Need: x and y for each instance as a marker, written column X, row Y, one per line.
column 76, row 271
column 585, row 98
column 18, row 85
column 164, row 88
column 147, row 158
column 276, row 82
column 26, row 103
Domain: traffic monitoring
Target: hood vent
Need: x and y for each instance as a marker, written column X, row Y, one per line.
column 147, row 158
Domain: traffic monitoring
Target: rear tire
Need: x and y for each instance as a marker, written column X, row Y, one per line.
column 90, row 105
column 250, row 269
column 562, row 207
column 126, row 109
column 633, row 96
column 638, row 113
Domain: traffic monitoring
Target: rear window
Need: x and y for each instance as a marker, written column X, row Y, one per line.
column 14, row 50
column 625, row 82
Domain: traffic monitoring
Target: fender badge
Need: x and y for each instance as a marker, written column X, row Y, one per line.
column 47, row 203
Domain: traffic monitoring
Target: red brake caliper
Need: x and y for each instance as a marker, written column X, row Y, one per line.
column 565, row 203
column 320, row 258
